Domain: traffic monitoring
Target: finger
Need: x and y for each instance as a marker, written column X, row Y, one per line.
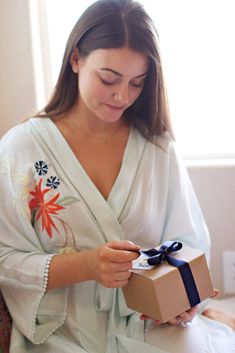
column 186, row 317
column 118, row 284
column 121, row 276
column 189, row 314
column 120, row 266
column 190, row 311
column 215, row 294
column 108, row 255
column 145, row 317
column 119, row 280
column 193, row 310
column 123, row 245
column 122, row 255
column 110, row 276
column 176, row 321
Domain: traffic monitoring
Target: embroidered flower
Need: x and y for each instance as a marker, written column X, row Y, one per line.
column 23, row 184
column 53, row 182
column 5, row 166
column 39, row 207
column 41, row 167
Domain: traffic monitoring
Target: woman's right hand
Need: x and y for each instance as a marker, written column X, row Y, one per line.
column 110, row 263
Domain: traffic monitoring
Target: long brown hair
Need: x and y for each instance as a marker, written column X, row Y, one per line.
column 115, row 24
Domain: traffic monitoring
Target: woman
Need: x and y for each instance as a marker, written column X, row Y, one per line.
column 87, row 183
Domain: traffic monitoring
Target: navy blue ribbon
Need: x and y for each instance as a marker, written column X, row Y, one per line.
column 156, row 257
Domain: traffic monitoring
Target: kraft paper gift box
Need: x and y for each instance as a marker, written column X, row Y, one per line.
column 163, row 292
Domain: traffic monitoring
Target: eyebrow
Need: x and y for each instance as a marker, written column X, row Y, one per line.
column 118, row 73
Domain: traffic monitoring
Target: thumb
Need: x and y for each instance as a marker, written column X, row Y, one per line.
column 123, row 245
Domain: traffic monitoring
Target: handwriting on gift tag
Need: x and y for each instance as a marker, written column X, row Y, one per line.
column 141, row 263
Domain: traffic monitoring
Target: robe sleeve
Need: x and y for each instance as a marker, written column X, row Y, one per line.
column 184, row 219
column 24, row 263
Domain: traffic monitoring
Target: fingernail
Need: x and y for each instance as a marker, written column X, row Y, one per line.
column 131, row 242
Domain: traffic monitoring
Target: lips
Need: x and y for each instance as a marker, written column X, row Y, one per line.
column 114, row 108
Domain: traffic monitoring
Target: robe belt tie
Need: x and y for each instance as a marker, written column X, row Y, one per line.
column 156, row 257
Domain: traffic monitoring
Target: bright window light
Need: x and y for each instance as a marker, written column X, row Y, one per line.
column 198, row 52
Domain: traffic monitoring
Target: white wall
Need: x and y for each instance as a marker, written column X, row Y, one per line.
column 17, row 88
column 214, row 185
column 215, row 189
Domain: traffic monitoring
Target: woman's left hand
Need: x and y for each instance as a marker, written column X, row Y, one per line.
column 185, row 317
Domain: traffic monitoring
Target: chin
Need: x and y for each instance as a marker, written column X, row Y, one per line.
column 110, row 117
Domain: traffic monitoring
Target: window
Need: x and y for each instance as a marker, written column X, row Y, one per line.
column 198, row 51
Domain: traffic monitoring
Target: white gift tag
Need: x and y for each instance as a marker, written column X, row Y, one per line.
column 141, row 263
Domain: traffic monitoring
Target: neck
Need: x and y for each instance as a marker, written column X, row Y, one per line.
column 90, row 123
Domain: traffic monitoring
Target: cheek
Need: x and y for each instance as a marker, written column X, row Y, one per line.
column 100, row 92
column 135, row 95
column 94, row 91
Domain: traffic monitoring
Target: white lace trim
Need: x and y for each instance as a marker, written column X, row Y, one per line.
column 45, row 282
column 46, row 272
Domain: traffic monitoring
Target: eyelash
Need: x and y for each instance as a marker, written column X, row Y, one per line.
column 107, row 83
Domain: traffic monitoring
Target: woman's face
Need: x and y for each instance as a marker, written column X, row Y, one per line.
column 109, row 81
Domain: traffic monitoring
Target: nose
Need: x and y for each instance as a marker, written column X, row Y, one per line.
column 122, row 95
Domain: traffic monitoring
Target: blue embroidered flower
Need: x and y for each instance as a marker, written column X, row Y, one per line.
column 41, row 167
column 53, row 182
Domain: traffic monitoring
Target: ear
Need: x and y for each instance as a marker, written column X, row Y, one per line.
column 74, row 60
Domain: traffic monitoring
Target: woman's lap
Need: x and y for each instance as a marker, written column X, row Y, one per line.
column 201, row 336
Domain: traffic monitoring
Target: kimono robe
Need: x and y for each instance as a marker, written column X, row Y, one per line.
column 50, row 206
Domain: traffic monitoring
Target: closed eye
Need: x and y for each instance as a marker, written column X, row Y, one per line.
column 137, row 85
column 109, row 83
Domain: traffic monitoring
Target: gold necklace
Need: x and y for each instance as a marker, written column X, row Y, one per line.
column 100, row 139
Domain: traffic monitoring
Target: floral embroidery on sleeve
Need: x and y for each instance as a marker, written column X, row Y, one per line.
column 53, row 182
column 23, row 183
column 45, row 208
column 41, row 167
column 40, row 208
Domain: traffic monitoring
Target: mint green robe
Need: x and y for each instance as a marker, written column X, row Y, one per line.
column 50, row 206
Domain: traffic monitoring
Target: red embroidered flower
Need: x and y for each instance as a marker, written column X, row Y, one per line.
column 43, row 208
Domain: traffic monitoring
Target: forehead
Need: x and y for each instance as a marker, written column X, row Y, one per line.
column 123, row 60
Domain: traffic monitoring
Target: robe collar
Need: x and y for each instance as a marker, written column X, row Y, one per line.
column 106, row 213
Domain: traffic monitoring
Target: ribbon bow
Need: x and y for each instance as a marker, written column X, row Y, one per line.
column 156, row 257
